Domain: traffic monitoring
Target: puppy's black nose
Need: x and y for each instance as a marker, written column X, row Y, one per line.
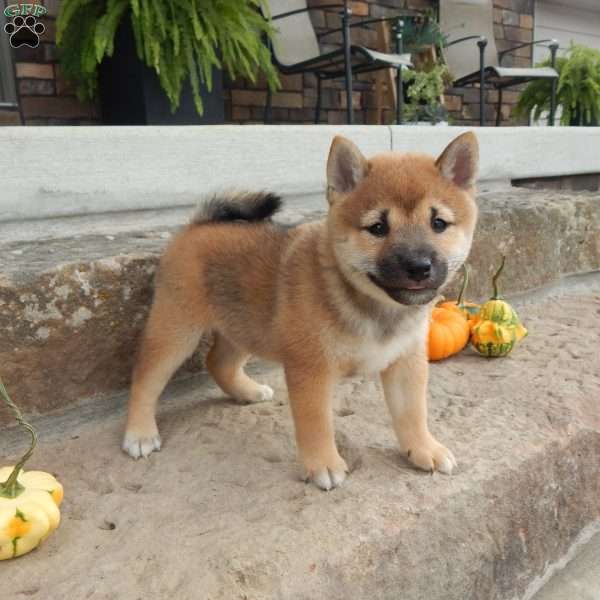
column 418, row 269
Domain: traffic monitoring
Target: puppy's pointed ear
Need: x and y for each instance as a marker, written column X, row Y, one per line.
column 459, row 162
column 346, row 167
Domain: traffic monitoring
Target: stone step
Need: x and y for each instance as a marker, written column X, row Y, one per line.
column 221, row 513
column 74, row 293
column 578, row 575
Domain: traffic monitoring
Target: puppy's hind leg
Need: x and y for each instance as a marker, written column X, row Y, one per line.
column 167, row 341
column 225, row 362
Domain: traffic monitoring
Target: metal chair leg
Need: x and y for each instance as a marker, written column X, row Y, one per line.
column 268, row 112
column 553, row 49
column 499, row 108
column 346, row 14
column 482, row 43
column 399, row 96
column 399, row 82
column 318, row 107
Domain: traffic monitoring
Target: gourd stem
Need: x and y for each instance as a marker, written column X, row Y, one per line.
column 11, row 488
column 465, row 283
column 495, row 279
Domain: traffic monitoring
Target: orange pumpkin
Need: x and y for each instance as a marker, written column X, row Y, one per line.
column 469, row 309
column 450, row 326
column 449, row 332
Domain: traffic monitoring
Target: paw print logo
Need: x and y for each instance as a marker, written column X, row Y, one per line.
column 25, row 31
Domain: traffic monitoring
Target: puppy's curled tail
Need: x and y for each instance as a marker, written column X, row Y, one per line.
column 243, row 206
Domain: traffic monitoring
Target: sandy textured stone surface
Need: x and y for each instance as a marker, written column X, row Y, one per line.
column 72, row 306
column 220, row 513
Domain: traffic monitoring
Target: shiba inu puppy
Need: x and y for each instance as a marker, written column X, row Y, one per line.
column 348, row 295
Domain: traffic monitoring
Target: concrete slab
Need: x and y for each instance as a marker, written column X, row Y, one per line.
column 54, row 171
column 508, row 153
column 220, row 514
column 86, row 170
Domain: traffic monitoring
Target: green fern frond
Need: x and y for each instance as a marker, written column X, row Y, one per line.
column 68, row 10
column 577, row 93
column 107, row 28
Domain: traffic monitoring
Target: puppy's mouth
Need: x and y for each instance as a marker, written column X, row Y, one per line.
column 409, row 293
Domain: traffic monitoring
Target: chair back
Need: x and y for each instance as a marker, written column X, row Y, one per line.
column 460, row 18
column 295, row 39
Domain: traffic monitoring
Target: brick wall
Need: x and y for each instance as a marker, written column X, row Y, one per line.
column 296, row 100
column 46, row 98
column 513, row 23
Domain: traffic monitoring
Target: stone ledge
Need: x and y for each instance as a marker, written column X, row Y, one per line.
column 71, row 308
column 224, row 492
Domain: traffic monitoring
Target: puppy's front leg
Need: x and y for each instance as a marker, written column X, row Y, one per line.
column 310, row 393
column 405, row 389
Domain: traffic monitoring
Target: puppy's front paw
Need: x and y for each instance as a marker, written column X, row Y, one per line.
column 141, row 446
column 326, row 474
column 430, row 455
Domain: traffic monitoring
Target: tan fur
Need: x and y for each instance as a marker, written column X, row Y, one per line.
column 302, row 297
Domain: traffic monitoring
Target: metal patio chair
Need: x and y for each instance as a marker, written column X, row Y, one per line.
column 474, row 20
column 295, row 49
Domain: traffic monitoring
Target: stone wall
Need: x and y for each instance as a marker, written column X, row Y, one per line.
column 46, row 98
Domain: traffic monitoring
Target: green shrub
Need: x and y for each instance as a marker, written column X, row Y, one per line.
column 424, row 91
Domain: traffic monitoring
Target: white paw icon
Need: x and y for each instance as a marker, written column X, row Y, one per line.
column 25, row 31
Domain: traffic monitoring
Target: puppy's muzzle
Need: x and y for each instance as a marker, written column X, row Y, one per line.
column 411, row 276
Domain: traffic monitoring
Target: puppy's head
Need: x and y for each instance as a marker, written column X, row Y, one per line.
column 401, row 224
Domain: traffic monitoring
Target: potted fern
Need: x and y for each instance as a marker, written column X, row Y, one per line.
column 577, row 93
column 161, row 62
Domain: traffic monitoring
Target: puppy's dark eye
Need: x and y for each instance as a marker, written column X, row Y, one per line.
column 438, row 225
column 380, row 229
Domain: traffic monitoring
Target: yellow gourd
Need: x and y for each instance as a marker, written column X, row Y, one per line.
column 497, row 327
column 29, row 501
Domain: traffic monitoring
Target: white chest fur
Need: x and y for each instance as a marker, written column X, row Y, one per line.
column 369, row 354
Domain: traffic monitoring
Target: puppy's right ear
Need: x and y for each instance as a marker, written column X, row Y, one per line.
column 346, row 167
column 460, row 160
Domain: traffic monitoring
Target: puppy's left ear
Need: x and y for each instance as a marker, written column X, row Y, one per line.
column 346, row 167
column 459, row 162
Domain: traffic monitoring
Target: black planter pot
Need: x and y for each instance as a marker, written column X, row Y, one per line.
column 579, row 120
column 130, row 93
